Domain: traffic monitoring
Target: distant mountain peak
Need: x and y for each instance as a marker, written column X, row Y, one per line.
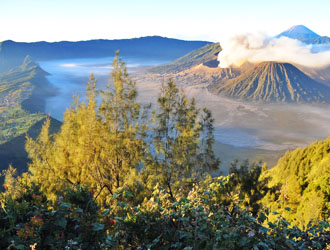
column 299, row 32
column 302, row 30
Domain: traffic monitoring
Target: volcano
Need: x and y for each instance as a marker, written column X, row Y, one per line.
column 274, row 82
column 305, row 35
column 299, row 32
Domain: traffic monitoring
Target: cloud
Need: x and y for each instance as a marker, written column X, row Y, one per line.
column 258, row 47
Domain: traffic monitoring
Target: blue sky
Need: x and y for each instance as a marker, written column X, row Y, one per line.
column 55, row 20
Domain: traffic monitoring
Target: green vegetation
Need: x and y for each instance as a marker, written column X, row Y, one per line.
column 16, row 87
column 302, row 181
column 104, row 147
column 17, row 122
column 206, row 55
column 22, row 90
column 110, row 180
column 28, row 219
column 13, row 151
column 183, row 142
column 274, row 82
column 199, row 220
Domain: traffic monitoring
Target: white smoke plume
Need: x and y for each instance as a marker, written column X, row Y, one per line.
column 256, row 48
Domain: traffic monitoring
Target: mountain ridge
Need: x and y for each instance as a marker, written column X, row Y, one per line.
column 22, row 104
column 12, row 53
column 207, row 54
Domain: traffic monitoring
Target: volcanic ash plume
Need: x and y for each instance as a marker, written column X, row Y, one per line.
column 255, row 48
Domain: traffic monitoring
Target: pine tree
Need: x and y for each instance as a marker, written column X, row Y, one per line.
column 67, row 158
column 97, row 146
column 123, row 128
column 180, row 154
column 245, row 181
column 206, row 159
column 105, row 146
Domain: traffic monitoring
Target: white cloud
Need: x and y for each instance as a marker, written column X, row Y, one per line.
column 258, row 47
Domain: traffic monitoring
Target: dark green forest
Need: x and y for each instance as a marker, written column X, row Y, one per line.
column 122, row 175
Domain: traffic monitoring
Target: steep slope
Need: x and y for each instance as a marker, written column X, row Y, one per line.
column 25, row 85
column 12, row 53
column 274, row 82
column 319, row 40
column 12, row 152
column 305, row 35
column 299, row 32
column 22, row 92
column 321, row 74
column 302, row 178
column 206, row 55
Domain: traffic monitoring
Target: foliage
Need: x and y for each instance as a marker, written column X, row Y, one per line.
column 110, row 147
column 97, row 146
column 108, row 180
column 201, row 221
column 196, row 221
column 246, row 182
column 182, row 143
column 302, row 179
column 28, row 218
column 123, row 128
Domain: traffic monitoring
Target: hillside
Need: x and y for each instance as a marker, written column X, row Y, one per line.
column 22, row 92
column 206, row 55
column 274, row 82
column 305, row 35
column 12, row 53
column 16, row 87
column 12, row 151
column 302, row 177
column 25, row 85
column 299, row 32
column 321, row 74
column 202, row 74
column 319, row 40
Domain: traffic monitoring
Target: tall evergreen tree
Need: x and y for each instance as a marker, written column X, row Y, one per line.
column 69, row 157
column 245, row 181
column 124, row 126
column 97, row 146
column 206, row 160
column 181, row 143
